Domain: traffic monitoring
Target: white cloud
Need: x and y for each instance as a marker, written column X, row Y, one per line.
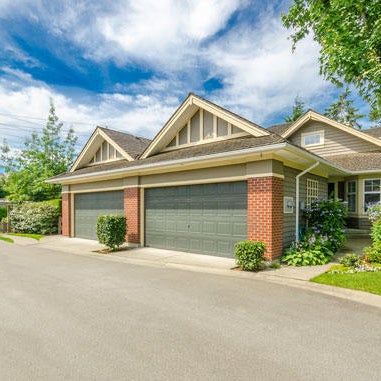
column 24, row 109
column 261, row 76
column 176, row 41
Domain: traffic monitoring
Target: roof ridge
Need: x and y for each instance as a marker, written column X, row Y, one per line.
column 123, row 132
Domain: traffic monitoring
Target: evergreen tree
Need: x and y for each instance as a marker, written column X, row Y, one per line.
column 344, row 111
column 44, row 155
column 297, row 110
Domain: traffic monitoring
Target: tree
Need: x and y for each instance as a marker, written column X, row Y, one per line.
column 44, row 155
column 349, row 34
column 343, row 111
column 297, row 110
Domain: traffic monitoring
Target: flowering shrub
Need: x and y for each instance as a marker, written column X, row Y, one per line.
column 327, row 218
column 312, row 250
column 373, row 253
column 35, row 217
column 324, row 236
column 353, row 270
column 374, row 215
column 350, row 260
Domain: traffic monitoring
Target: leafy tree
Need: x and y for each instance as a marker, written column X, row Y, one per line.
column 297, row 110
column 344, row 111
column 2, row 192
column 44, row 155
column 349, row 33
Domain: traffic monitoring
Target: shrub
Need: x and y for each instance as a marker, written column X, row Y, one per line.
column 327, row 218
column 35, row 217
column 250, row 255
column 350, row 260
column 111, row 230
column 373, row 253
column 312, row 250
column 300, row 254
column 3, row 213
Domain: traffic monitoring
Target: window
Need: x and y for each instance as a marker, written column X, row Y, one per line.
column 351, row 196
column 372, row 190
column 312, row 191
column 313, row 139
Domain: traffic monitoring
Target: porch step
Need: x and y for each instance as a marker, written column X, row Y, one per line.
column 357, row 233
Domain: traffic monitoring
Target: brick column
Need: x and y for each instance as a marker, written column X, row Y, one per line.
column 265, row 213
column 132, row 212
column 66, row 214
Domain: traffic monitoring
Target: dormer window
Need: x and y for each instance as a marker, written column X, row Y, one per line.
column 313, row 139
column 106, row 152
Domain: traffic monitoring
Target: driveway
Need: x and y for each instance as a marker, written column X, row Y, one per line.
column 72, row 317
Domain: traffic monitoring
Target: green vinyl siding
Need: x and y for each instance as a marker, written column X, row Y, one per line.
column 206, row 219
column 89, row 206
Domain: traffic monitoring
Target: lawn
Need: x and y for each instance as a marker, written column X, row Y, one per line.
column 369, row 282
column 6, row 239
column 26, row 235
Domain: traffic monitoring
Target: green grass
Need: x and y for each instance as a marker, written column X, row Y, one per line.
column 369, row 282
column 27, row 235
column 6, row 239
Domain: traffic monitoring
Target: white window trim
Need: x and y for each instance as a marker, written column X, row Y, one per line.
column 373, row 192
column 352, row 193
column 321, row 133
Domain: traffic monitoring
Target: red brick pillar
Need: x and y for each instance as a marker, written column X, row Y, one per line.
column 265, row 213
column 132, row 212
column 66, row 214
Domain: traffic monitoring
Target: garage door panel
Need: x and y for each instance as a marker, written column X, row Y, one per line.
column 89, row 206
column 206, row 218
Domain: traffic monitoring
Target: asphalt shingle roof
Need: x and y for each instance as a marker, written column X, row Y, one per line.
column 133, row 145
column 280, row 128
column 183, row 153
column 375, row 132
column 362, row 161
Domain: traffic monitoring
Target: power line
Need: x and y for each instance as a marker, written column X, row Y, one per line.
column 45, row 119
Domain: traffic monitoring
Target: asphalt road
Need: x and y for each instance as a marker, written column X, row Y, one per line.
column 71, row 317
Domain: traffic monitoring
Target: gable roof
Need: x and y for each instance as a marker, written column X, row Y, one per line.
column 315, row 116
column 129, row 146
column 186, row 110
column 375, row 132
column 358, row 162
column 133, row 145
column 183, row 154
column 280, row 128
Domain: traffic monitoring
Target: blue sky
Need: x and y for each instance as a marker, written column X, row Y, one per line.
column 129, row 64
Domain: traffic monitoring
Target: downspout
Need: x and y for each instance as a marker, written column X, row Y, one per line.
column 297, row 198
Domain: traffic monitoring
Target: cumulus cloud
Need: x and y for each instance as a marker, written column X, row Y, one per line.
column 24, row 109
column 181, row 44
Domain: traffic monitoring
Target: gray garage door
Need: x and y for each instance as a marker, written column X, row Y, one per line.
column 87, row 208
column 206, row 219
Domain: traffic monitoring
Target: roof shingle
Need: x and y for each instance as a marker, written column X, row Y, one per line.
column 183, row 153
column 362, row 161
column 131, row 144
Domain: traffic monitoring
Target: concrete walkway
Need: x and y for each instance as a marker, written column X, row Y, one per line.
column 290, row 276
